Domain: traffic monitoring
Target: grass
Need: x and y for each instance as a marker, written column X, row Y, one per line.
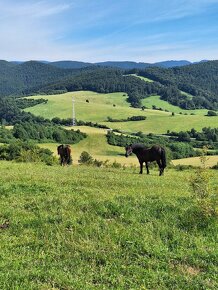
column 100, row 106
column 80, row 227
column 155, row 100
column 195, row 161
column 96, row 144
column 142, row 78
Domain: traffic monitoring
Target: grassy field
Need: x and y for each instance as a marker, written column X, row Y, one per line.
column 155, row 100
column 100, row 106
column 96, row 144
column 195, row 161
column 87, row 228
column 142, row 78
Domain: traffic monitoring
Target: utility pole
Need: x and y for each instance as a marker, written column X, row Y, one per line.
column 73, row 113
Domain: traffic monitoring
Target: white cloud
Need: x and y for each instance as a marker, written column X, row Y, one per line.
column 99, row 30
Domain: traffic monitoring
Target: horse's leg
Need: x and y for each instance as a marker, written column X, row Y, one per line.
column 147, row 167
column 141, row 168
column 160, row 167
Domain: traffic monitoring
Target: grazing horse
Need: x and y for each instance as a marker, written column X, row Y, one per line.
column 65, row 154
column 144, row 154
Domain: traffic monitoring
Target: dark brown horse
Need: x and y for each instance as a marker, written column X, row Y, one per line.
column 65, row 154
column 144, row 154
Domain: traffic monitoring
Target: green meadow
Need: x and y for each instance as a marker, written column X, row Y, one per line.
column 81, row 227
column 155, row 100
column 101, row 106
column 196, row 161
column 96, row 144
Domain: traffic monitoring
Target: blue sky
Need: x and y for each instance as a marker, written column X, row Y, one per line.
column 99, row 30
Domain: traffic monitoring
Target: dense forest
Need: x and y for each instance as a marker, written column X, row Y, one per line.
column 199, row 80
column 17, row 79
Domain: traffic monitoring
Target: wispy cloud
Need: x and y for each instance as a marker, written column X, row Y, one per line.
column 97, row 30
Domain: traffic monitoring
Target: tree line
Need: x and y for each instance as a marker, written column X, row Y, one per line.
column 176, row 149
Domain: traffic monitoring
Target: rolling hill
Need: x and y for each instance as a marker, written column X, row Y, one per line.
column 101, row 106
column 16, row 79
column 199, row 80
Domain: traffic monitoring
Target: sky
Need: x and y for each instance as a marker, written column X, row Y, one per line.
column 106, row 30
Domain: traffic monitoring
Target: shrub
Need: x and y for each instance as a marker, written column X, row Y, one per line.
column 26, row 152
column 203, row 196
column 115, row 164
column 211, row 113
column 85, row 158
column 215, row 166
column 98, row 163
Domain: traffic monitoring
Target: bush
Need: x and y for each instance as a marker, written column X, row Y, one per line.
column 85, row 158
column 215, row 166
column 26, row 152
column 203, row 196
column 211, row 113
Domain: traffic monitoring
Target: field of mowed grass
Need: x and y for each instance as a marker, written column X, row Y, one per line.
column 196, row 161
column 101, row 106
column 81, row 227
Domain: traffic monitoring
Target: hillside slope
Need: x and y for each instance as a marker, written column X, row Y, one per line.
column 199, row 80
column 16, row 79
column 114, row 105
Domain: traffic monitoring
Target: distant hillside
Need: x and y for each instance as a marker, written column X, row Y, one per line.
column 124, row 64
column 172, row 63
column 119, row 64
column 15, row 79
column 68, row 64
column 199, row 80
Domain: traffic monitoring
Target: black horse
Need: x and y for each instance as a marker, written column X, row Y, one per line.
column 65, row 154
column 144, row 154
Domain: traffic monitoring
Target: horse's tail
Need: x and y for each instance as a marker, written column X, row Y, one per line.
column 163, row 157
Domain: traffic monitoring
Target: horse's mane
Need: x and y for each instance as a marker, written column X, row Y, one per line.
column 138, row 146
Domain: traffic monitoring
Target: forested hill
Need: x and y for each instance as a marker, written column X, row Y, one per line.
column 202, row 75
column 199, row 80
column 15, row 79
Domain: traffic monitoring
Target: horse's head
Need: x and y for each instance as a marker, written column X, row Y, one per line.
column 128, row 150
column 59, row 149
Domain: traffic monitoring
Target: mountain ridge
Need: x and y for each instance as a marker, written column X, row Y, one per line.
column 71, row 64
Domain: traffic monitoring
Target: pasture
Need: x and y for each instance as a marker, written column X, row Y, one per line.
column 195, row 161
column 101, row 106
column 81, row 227
column 96, row 144
column 155, row 100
